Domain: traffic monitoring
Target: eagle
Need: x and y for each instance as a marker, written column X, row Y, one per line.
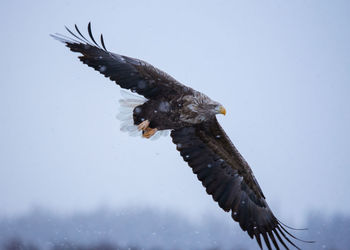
column 168, row 105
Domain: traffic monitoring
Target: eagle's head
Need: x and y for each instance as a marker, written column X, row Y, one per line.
column 210, row 108
column 219, row 109
column 199, row 108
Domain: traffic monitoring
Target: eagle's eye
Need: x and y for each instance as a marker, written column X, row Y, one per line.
column 219, row 109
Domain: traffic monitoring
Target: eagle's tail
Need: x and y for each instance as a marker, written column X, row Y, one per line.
column 125, row 115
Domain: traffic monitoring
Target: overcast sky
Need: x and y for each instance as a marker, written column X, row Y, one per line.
column 281, row 69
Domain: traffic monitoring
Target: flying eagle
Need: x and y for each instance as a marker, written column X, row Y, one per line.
column 191, row 117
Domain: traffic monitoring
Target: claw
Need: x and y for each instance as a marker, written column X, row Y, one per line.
column 143, row 125
column 149, row 132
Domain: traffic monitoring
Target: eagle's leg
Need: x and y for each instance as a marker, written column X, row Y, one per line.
column 149, row 132
column 143, row 125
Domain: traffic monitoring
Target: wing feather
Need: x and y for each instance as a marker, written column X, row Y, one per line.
column 229, row 179
column 129, row 73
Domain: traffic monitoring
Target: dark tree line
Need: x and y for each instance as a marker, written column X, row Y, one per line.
column 149, row 229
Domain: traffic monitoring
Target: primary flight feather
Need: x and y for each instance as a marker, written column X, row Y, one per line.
column 203, row 144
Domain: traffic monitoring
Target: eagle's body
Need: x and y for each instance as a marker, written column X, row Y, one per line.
column 203, row 144
column 175, row 112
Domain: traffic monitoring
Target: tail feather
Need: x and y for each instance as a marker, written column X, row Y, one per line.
column 125, row 115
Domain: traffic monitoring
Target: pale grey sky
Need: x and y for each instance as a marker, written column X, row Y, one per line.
column 281, row 69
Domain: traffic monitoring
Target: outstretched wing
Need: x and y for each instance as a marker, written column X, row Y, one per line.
column 228, row 178
column 130, row 73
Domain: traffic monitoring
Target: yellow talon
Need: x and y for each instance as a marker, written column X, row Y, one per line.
column 149, row 132
column 143, row 125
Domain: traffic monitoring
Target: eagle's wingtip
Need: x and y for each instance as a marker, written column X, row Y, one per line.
column 60, row 38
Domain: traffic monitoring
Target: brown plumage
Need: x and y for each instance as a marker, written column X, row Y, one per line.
column 203, row 144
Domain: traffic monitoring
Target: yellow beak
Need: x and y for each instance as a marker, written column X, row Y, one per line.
column 222, row 110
